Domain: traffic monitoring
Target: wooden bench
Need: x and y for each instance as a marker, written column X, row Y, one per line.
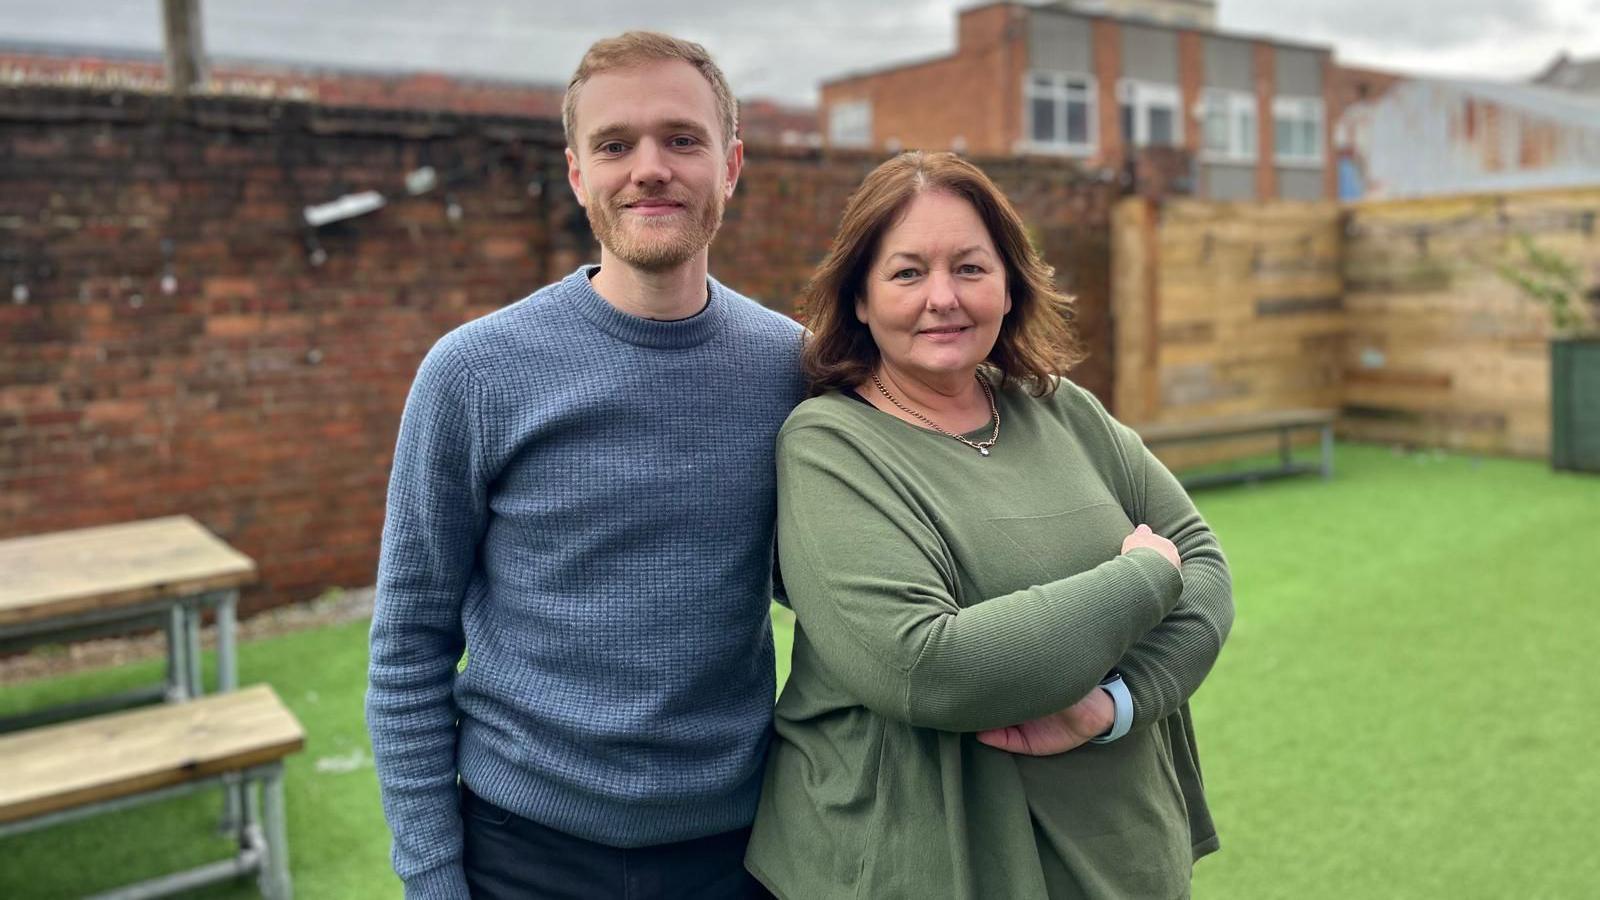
column 1284, row 423
column 60, row 773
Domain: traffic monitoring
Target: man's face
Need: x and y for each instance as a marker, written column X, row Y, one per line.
column 649, row 165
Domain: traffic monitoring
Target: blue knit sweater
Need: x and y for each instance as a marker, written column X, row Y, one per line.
column 583, row 501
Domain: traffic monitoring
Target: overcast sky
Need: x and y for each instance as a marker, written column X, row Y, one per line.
column 781, row 48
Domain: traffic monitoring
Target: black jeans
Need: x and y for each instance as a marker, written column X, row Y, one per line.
column 507, row 856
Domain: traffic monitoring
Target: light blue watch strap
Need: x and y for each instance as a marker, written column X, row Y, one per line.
column 1122, row 700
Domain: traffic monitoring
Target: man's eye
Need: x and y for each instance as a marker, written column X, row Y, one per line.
column 613, row 147
column 684, row 141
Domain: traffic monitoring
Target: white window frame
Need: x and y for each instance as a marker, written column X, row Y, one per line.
column 850, row 123
column 1143, row 96
column 1299, row 111
column 1240, row 113
column 1064, row 89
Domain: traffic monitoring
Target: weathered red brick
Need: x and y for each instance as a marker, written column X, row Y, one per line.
column 235, row 326
column 225, row 288
column 501, row 249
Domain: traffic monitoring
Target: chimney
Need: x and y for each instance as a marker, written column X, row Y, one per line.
column 186, row 54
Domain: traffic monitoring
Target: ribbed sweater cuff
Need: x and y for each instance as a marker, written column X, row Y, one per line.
column 446, row 882
column 1163, row 576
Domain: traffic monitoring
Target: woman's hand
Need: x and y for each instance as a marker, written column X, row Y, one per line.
column 1144, row 537
column 1058, row 732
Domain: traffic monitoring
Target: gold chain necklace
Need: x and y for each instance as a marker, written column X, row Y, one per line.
column 981, row 446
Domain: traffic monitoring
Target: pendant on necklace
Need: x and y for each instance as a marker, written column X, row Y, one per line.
column 983, row 451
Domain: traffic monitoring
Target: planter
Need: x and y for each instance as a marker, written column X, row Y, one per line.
column 1575, row 404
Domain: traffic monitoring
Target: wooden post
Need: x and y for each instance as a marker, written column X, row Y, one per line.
column 186, row 55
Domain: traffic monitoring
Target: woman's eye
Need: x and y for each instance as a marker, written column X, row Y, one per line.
column 970, row 269
column 904, row 275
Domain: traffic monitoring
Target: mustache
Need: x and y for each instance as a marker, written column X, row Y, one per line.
column 630, row 199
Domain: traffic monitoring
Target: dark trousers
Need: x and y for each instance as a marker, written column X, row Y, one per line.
column 507, row 856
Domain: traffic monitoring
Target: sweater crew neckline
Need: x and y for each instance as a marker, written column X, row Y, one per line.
column 676, row 334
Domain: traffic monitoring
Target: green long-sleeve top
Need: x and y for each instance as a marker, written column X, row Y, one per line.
column 938, row 593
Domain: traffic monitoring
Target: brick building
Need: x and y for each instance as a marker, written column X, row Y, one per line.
column 1061, row 81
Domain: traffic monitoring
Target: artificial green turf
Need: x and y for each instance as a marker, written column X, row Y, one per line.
column 1406, row 706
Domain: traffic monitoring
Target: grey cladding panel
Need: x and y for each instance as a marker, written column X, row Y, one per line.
column 1149, row 54
column 1229, row 64
column 1300, row 184
column 1059, row 43
column 1298, row 72
column 1229, row 182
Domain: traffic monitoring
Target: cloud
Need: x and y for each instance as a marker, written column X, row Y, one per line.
column 1397, row 24
column 778, row 49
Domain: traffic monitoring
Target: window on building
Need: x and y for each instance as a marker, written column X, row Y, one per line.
column 1061, row 112
column 1150, row 114
column 850, row 124
column 1297, row 130
column 1229, row 130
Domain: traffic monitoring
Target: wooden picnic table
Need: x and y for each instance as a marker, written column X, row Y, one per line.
column 107, row 579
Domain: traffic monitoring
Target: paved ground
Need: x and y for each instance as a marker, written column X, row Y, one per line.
column 58, row 659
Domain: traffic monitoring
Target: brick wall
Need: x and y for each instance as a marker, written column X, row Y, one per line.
column 1108, row 73
column 328, row 87
column 970, row 100
column 1191, row 81
column 1266, row 134
column 171, row 343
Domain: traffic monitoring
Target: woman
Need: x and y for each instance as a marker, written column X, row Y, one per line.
column 963, row 538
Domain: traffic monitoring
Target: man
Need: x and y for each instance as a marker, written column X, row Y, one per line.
column 582, row 500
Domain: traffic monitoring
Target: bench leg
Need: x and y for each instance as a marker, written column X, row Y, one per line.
column 178, row 654
column 1327, row 451
column 228, row 680
column 1284, row 454
column 274, row 880
column 197, row 680
column 227, row 653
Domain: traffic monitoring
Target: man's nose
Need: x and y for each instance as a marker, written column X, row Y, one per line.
column 650, row 164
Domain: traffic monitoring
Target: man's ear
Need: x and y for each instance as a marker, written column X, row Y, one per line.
column 575, row 178
column 735, row 166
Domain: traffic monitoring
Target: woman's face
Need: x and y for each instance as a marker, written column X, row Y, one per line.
column 935, row 293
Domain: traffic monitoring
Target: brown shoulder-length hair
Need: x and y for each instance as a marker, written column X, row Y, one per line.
column 1036, row 341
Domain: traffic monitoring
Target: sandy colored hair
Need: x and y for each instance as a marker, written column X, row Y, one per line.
column 1036, row 340
column 637, row 48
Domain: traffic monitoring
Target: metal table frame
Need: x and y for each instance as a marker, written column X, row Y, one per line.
column 262, row 834
column 181, row 619
column 1284, row 424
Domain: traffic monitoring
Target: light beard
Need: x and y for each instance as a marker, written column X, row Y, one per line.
column 649, row 252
